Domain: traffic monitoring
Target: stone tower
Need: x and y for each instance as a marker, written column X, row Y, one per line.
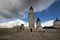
column 31, row 19
column 38, row 24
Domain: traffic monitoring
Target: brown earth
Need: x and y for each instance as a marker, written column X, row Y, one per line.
column 30, row 36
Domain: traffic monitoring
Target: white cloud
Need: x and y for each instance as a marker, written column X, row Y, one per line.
column 19, row 22
column 47, row 23
column 12, row 23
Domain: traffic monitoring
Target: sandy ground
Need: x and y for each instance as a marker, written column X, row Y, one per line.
column 30, row 36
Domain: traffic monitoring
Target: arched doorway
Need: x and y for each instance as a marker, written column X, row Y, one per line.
column 30, row 30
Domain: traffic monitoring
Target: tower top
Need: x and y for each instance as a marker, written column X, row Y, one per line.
column 31, row 8
column 38, row 19
column 56, row 19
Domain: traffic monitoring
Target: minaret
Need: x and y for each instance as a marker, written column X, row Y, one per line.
column 38, row 24
column 31, row 18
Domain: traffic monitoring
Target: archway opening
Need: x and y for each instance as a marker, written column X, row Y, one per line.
column 30, row 30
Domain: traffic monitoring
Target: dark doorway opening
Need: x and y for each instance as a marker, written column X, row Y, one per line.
column 20, row 29
column 30, row 30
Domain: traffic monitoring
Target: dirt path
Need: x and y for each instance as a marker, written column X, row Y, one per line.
column 30, row 36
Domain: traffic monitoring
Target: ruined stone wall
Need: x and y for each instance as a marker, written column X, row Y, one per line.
column 7, row 30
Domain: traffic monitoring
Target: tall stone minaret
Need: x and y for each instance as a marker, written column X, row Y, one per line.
column 31, row 18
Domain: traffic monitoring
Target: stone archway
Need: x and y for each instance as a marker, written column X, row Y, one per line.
column 31, row 30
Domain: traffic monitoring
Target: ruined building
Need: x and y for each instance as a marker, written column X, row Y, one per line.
column 22, row 27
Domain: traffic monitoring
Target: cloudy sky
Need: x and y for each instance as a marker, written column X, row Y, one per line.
column 15, row 12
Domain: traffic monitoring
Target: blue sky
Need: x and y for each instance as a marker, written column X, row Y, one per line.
column 16, row 11
column 51, row 13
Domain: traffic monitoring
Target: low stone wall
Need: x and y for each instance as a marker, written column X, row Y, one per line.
column 7, row 30
column 51, row 30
